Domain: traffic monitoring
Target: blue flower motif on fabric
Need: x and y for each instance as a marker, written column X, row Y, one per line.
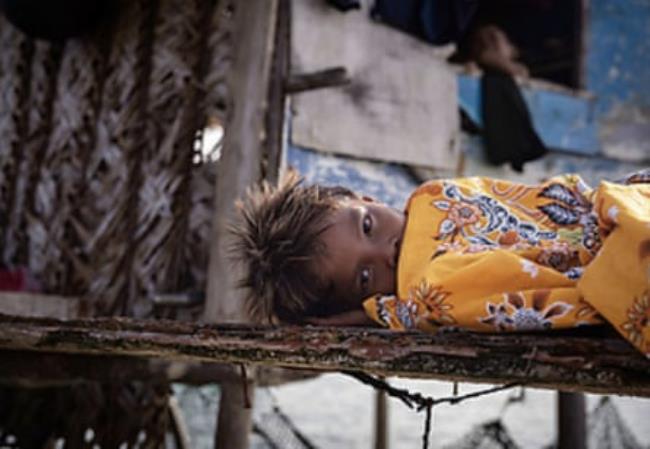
column 514, row 314
column 405, row 312
column 572, row 208
column 574, row 273
column 464, row 212
column 383, row 313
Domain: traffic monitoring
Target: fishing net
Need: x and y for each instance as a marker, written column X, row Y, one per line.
column 608, row 430
column 489, row 435
column 275, row 428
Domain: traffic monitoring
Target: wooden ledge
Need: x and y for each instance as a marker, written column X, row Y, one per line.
column 556, row 360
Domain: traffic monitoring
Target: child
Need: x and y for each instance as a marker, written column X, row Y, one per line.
column 475, row 253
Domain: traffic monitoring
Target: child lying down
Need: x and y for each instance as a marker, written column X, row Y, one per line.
column 474, row 253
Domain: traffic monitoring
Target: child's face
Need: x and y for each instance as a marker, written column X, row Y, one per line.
column 361, row 250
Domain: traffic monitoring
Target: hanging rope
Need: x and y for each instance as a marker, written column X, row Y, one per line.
column 607, row 429
column 420, row 402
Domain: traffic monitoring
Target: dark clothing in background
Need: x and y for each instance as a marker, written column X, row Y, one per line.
column 57, row 20
column 345, row 5
column 508, row 133
column 436, row 21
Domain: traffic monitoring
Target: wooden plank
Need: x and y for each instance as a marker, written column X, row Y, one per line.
column 38, row 305
column 547, row 360
column 300, row 82
column 401, row 104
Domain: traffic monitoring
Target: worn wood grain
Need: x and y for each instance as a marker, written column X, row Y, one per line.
column 570, row 362
column 401, row 102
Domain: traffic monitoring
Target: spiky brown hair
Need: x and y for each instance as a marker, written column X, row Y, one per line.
column 277, row 238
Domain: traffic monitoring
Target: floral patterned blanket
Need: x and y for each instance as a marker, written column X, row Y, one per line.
column 492, row 255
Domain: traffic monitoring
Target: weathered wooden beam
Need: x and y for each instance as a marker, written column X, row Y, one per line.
column 547, row 360
column 300, row 82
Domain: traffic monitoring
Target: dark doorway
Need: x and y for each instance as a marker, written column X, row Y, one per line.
column 547, row 33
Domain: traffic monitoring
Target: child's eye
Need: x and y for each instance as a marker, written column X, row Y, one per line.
column 364, row 280
column 367, row 224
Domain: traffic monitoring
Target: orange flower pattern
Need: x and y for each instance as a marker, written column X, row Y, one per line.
column 560, row 256
column 638, row 321
column 433, row 298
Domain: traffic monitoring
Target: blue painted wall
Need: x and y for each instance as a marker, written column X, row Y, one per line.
column 618, row 72
column 563, row 121
column 386, row 182
column 618, row 53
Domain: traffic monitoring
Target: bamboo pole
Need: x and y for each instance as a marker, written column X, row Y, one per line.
column 555, row 360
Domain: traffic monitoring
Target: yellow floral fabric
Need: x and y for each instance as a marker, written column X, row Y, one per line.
column 617, row 281
column 492, row 255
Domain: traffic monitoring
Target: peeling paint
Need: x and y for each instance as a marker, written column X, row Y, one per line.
column 625, row 132
column 618, row 71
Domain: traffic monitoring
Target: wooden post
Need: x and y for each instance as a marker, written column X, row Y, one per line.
column 240, row 163
column 179, row 428
column 234, row 420
column 239, row 167
column 277, row 95
column 381, row 420
column 572, row 422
